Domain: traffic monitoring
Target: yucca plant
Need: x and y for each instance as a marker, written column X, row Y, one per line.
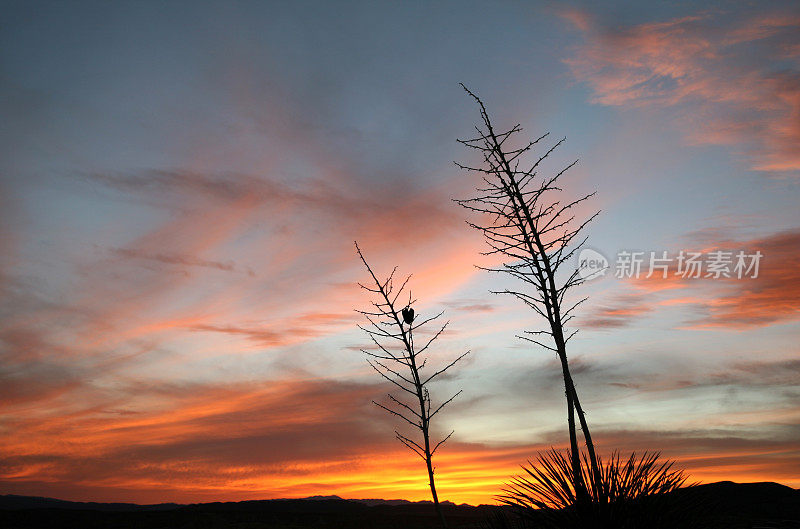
column 631, row 492
column 526, row 221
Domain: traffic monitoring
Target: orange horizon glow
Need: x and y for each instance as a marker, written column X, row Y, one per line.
column 470, row 477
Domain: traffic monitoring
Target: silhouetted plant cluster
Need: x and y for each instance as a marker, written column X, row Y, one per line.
column 536, row 233
column 630, row 493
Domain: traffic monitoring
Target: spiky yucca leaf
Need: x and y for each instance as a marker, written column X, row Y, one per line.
column 630, row 492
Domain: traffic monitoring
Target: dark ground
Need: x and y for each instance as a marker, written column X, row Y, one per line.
column 721, row 505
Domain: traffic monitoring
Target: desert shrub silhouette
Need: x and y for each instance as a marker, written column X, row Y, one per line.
column 633, row 492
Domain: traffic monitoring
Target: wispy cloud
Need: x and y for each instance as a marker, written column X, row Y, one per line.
column 294, row 437
column 621, row 311
column 721, row 303
column 471, row 306
column 285, row 332
column 180, row 260
column 724, row 79
column 773, row 297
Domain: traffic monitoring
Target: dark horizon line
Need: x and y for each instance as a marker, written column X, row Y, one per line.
column 332, row 497
column 370, row 502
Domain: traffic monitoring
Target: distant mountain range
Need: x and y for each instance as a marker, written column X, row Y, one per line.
column 725, row 505
column 13, row 502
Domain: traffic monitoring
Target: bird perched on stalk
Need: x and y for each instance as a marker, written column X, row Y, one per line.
column 408, row 315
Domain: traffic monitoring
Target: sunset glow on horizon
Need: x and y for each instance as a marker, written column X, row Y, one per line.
column 181, row 185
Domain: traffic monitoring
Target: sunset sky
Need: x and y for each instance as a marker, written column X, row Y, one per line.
column 181, row 185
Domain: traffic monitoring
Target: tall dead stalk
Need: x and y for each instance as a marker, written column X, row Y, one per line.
column 524, row 221
column 392, row 324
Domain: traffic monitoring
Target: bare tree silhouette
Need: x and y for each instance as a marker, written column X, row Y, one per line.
column 524, row 221
column 396, row 358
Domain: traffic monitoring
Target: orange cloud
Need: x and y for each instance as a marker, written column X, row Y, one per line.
column 298, row 438
column 728, row 80
column 619, row 312
column 98, row 373
column 151, row 441
column 724, row 302
column 772, row 297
